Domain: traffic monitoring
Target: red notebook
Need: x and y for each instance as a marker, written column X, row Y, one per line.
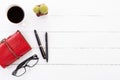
column 13, row 48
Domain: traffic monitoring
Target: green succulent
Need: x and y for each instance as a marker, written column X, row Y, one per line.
column 43, row 9
column 36, row 9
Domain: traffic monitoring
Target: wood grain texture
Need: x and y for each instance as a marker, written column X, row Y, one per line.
column 84, row 39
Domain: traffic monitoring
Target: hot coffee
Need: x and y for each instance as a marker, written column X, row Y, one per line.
column 15, row 14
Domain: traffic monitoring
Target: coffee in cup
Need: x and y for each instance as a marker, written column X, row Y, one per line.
column 15, row 14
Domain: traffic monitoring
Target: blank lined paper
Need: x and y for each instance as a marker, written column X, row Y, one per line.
column 84, row 39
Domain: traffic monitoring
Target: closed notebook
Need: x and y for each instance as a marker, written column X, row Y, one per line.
column 13, row 48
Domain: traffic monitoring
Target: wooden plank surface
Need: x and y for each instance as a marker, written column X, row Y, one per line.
column 84, row 39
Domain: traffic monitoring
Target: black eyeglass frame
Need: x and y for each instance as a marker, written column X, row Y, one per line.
column 24, row 64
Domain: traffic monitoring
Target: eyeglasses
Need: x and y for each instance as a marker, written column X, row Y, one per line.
column 21, row 68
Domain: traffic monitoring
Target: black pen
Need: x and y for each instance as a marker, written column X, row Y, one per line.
column 46, row 43
column 40, row 45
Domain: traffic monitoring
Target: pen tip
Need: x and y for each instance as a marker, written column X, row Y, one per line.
column 34, row 30
column 46, row 33
column 46, row 60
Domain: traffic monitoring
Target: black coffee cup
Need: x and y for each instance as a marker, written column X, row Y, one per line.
column 15, row 14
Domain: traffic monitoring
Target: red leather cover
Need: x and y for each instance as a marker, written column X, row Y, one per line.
column 13, row 48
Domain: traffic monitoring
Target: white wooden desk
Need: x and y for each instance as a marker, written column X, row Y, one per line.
column 84, row 39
